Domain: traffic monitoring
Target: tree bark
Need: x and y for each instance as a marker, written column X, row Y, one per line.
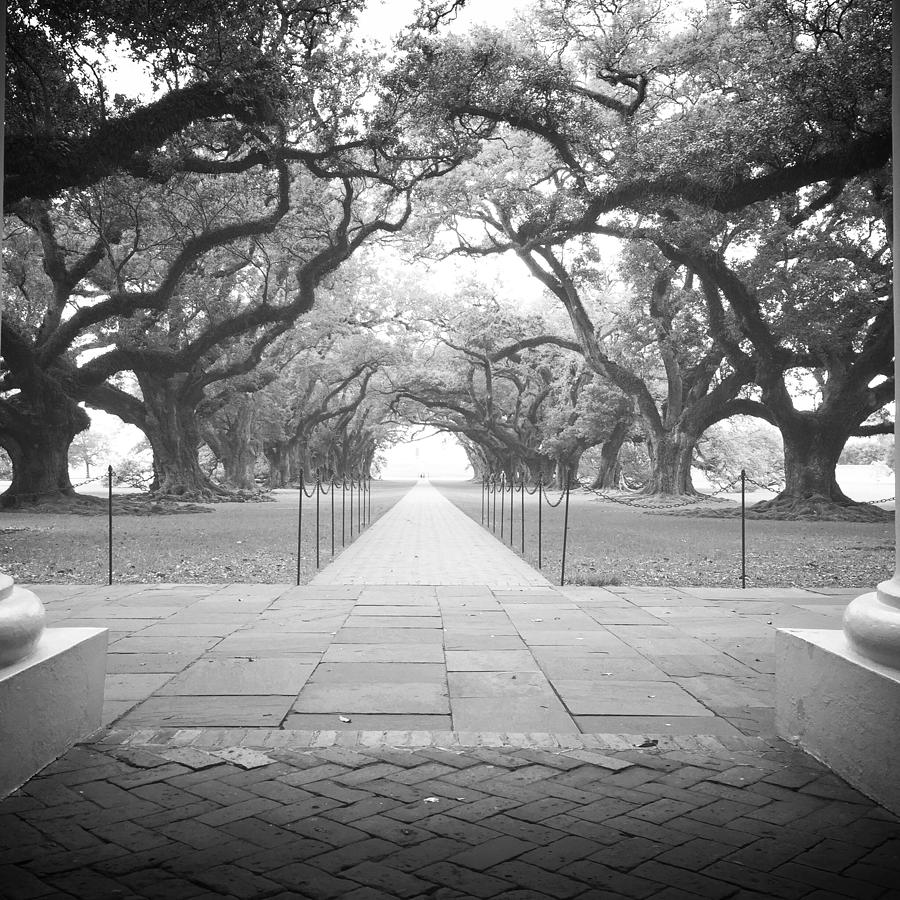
column 36, row 430
column 671, row 454
column 811, row 453
column 609, row 471
column 235, row 447
column 173, row 431
column 813, row 441
column 278, row 457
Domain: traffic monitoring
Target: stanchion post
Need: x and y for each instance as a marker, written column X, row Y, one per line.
column 482, row 499
column 743, row 529
column 562, row 569
column 332, row 514
column 494, row 492
column 318, row 494
column 110, row 475
column 540, row 496
column 502, row 502
column 343, row 508
column 360, row 500
column 351, row 507
column 522, row 523
column 300, row 524
column 370, row 499
column 512, row 506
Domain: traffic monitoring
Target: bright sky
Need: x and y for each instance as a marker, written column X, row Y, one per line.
column 437, row 456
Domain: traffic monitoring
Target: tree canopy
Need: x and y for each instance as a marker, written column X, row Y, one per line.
column 702, row 199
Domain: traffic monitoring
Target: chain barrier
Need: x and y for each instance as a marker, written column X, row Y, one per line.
column 326, row 487
column 74, row 487
column 638, row 504
column 492, row 484
column 546, row 497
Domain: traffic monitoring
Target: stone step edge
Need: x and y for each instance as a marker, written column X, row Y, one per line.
column 288, row 739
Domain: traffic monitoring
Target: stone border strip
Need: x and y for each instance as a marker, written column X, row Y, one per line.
column 263, row 739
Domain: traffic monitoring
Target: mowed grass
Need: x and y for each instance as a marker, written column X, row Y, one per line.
column 611, row 543
column 234, row 542
column 608, row 543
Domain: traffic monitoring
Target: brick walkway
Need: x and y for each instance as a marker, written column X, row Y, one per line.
column 413, row 739
column 185, row 821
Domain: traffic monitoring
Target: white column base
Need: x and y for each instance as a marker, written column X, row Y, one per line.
column 50, row 700
column 841, row 708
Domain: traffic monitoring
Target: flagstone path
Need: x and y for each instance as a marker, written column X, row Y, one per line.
column 425, row 539
column 431, row 718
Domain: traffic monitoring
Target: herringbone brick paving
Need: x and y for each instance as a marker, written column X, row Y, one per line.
column 698, row 799
column 188, row 817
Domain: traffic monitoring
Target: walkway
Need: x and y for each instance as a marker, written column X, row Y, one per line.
column 425, row 539
column 400, row 728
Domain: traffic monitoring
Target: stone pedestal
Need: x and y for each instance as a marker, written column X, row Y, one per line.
column 49, row 700
column 841, row 708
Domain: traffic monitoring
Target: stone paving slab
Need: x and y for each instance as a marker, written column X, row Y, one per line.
column 425, row 540
column 703, row 659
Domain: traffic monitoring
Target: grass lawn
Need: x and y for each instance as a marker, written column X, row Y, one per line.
column 610, row 543
column 250, row 542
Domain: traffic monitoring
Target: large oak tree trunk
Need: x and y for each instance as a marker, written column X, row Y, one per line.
column 236, row 447
column 813, row 441
column 810, row 458
column 173, row 432
column 36, row 430
column 609, row 471
column 278, row 457
column 671, row 454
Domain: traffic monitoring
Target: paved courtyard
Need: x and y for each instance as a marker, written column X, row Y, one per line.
column 431, row 718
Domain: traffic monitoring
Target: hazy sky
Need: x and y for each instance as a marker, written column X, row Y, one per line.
column 435, row 455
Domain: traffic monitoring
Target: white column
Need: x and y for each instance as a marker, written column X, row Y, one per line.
column 21, row 622
column 872, row 621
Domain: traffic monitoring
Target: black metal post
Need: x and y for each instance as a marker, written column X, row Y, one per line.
column 562, row 570
column 743, row 529
column 343, row 508
column 512, row 506
column 502, row 502
column 494, row 492
column 370, row 499
column 332, row 515
column 540, row 496
column 318, row 493
column 351, row 508
column 299, row 524
column 110, row 474
column 482, row 499
column 522, row 529
column 359, row 506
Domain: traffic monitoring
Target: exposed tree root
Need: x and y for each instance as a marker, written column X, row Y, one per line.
column 123, row 505
column 656, row 502
column 220, row 495
column 789, row 508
